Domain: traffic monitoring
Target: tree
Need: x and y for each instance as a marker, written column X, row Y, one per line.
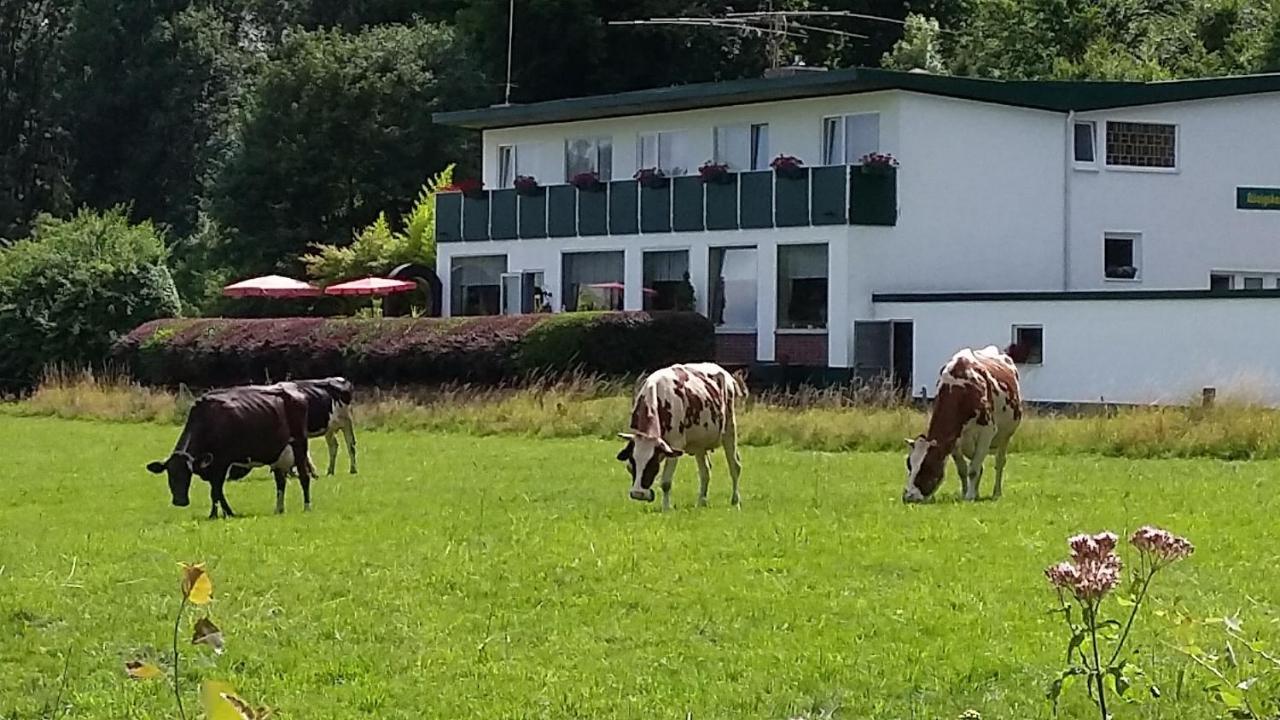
column 149, row 104
column 339, row 130
column 33, row 155
column 919, row 48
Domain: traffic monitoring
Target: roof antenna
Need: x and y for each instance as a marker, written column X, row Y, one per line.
column 511, row 30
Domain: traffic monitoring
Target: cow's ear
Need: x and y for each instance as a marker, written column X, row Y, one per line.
column 155, row 468
column 627, row 451
column 627, row 436
column 911, row 442
column 204, row 461
column 667, row 450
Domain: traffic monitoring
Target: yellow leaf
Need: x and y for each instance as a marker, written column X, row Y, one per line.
column 208, row 634
column 140, row 670
column 221, row 703
column 197, row 586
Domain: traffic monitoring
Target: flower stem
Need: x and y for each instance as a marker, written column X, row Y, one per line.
column 1097, row 662
column 177, row 623
column 1137, row 605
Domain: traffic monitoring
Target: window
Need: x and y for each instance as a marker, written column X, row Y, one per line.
column 846, row 139
column 1028, row 341
column 667, row 151
column 592, row 281
column 743, row 147
column 476, row 284
column 1219, row 283
column 1252, row 282
column 507, row 166
column 1141, row 145
column 588, row 155
column 802, row 286
column 1084, row 133
column 732, row 285
column 1120, row 257
column 666, row 281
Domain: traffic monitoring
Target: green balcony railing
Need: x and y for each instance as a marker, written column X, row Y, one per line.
column 836, row 195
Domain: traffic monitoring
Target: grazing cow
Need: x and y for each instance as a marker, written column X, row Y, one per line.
column 240, row 427
column 328, row 412
column 679, row 409
column 977, row 409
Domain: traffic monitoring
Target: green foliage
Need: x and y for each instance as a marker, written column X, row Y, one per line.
column 75, row 286
column 339, row 130
column 378, row 248
column 919, row 48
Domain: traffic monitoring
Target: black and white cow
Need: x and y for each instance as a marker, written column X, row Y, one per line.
column 240, row 428
column 328, row 413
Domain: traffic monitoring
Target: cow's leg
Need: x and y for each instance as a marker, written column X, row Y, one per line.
column 349, row 433
column 962, row 470
column 216, row 481
column 331, row 438
column 304, row 471
column 281, row 475
column 704, row 475
column 668, row 473
column 1002, row 450
column 730, row 441
column 981, row 447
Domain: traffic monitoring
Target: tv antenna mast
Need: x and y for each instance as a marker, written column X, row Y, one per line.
column 775, row 25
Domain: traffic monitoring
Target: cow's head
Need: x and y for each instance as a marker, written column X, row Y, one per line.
column 643, row 456
column 926, row 464
column 180, row 467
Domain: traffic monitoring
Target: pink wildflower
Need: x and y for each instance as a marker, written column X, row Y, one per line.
column 1095, row 570
column 1161, row 544
column 1063, row 575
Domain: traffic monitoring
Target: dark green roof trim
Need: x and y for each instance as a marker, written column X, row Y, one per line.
column 1054, row 95
column 1073, row 295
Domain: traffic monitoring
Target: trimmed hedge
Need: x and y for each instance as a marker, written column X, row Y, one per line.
column 393, row 351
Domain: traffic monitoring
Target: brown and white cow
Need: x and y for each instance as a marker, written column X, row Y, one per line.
column 682, row 409
column 977, row 409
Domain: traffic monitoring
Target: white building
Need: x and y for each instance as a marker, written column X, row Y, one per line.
column 1128, row 233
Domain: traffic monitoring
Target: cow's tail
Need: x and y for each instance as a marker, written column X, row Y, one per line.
column 739, row 387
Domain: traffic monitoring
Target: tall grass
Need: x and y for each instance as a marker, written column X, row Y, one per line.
column 823, row 420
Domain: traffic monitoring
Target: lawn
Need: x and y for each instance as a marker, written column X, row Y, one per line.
column 464, row 577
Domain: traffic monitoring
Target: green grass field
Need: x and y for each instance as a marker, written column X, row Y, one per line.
column 463, row 577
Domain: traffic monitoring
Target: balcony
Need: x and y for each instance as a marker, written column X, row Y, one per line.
column 840, row 195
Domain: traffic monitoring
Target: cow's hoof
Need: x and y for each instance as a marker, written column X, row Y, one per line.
column 306, row 508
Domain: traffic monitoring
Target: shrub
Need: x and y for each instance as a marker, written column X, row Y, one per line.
column 391, row 351
column 74, row 287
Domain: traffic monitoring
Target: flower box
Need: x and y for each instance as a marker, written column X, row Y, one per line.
column 526, row 185
column 788, row 167
column 587, row 182
column 715, row 173
column 652, row 178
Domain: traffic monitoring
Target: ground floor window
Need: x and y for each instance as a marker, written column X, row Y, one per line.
column 1121, row 257
column 476, row 284
column 802, row 286
column 1028, row 343
column 666, row 281
column 592, row 280
column 1224, row 280
column 732, row 284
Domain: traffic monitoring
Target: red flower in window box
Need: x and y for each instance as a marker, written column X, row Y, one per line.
column 652, row 178
column 878, row 163
column 526, row 185
column 469, row 187
column 788, row 166
column 587, row 181
column 713, row 172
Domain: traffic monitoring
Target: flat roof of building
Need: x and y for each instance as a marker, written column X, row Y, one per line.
column 1053, row 95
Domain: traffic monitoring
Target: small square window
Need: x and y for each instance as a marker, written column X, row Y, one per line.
column 1084, row 134
column 1252, row 283
column 1120, row 257
column 1028, row 344
column 1219, row 282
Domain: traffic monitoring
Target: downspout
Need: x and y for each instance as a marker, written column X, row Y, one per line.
column 1068, row 159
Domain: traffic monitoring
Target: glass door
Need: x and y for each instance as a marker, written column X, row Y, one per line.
column 512, row 297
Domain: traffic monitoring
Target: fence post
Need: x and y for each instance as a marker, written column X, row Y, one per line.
column 1207, row 396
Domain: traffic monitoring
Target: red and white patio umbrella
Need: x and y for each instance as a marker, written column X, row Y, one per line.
column 371, row 286
column 273, row 286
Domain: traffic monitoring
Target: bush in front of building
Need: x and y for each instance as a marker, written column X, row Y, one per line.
column 411, row 351
column 73, row 287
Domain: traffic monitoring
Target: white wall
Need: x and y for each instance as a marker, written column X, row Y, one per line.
column 1128, row 351
column 1188, row 218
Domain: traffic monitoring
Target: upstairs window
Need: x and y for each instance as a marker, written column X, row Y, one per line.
column 508, row 166
column 846, row 139
column 1083, row 143
column 666, row 151
column 1219, row 282
column 1121, row 257
column 594, row 154
column 743, row 147
column 1142, row 145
